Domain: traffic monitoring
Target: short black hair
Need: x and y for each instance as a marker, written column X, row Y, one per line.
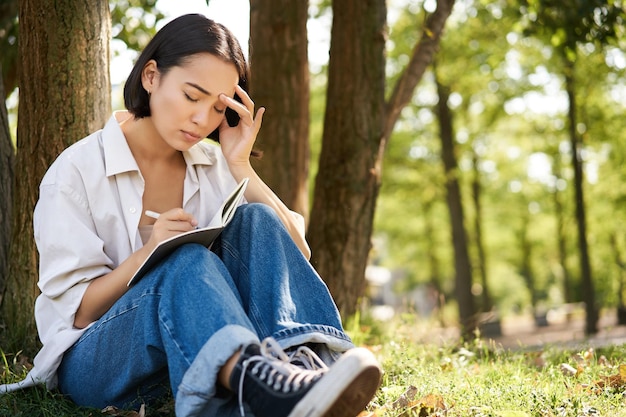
column 175, row 43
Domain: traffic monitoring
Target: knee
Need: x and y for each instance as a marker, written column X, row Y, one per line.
column 188, row 268
column 193, row 262
column 190, row 259
column 257, row 212
column 187, row 251
column 192, row 256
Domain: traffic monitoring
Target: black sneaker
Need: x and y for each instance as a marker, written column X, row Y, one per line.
column 273, row 387
column 304, row 357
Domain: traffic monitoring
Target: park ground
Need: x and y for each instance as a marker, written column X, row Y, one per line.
column 524, row 370
column 522, row 332
column 568, row 334
column 528, row 368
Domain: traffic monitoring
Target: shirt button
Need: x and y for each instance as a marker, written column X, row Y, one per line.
column 132, row 210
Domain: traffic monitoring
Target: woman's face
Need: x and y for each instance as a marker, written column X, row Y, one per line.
column 184, row 103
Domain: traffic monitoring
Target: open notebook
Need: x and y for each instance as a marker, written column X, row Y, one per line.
column 205, row 235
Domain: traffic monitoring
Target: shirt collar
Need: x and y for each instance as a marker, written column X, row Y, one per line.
column 197, row 156
column 117, row 155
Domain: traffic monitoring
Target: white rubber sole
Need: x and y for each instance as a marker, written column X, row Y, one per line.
column 345, row 390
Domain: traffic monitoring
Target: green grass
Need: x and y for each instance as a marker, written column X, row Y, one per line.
column 474, row 379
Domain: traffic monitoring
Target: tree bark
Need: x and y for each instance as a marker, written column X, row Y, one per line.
column 621, row 269
column 64, row 95
column 526, row 269
column 348, row 180
column 561, row 234
column 8, row 81
column 435, row 278
column 591, row 322
column 7, row 161
column 462, row 264
column 486, row 304
column 280, row 83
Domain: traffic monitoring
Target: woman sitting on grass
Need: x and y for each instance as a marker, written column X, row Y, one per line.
column 246, row 328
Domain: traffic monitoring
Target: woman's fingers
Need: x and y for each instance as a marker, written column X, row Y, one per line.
column 259, row 119
column 178, row 220
column 245, row 109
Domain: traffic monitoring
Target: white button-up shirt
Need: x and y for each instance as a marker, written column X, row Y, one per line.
column 86, row 223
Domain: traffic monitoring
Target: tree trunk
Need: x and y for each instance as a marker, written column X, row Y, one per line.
column 348, row 180
column 621, row 269
column 7, row 160
column 280, row 82
column 526, row 269
column 64, row 95
column 482, row 256
column 431, row 249
column 561, row 235
column 462, row 264
column 591, row 324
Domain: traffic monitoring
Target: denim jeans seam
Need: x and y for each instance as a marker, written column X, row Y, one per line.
column 227, row 247
column 254, row 312
column 258, row 324
column 175, row 341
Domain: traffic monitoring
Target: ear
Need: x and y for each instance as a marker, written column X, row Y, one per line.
column 150, row 76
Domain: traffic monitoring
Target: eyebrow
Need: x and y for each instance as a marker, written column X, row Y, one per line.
column 202, row 90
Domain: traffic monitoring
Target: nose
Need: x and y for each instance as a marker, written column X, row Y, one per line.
column 201, row 116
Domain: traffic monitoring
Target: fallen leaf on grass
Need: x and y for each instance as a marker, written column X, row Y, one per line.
column 405, row 399
column 19, row 364
column 613, row 381
column 537, row 359
column 406, row 405
column 116, row 412
column 603, row 361
column 569, row 370
column 23, row 362
column 427, row 405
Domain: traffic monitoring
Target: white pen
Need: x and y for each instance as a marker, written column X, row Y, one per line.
column 156, row 215
column 152, row 214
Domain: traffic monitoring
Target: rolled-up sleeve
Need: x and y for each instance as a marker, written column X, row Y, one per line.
column 71, row 253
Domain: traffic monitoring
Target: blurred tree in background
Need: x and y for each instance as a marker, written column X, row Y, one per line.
column 510, row 101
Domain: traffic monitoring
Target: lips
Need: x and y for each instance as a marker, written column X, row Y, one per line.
column 191, row 136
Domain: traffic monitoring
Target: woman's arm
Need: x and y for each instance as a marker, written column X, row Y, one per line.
column 104, row 291
column 258, row 192
column 236, row 143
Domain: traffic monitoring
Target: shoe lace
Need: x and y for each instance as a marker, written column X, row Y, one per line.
column 306, row 358
column 275, row 368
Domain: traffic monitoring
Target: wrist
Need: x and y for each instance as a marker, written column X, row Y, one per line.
column 241, row 170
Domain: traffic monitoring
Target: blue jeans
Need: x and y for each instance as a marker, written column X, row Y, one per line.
column 183, row 320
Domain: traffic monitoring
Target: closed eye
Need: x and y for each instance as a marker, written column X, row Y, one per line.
column 188, row 97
